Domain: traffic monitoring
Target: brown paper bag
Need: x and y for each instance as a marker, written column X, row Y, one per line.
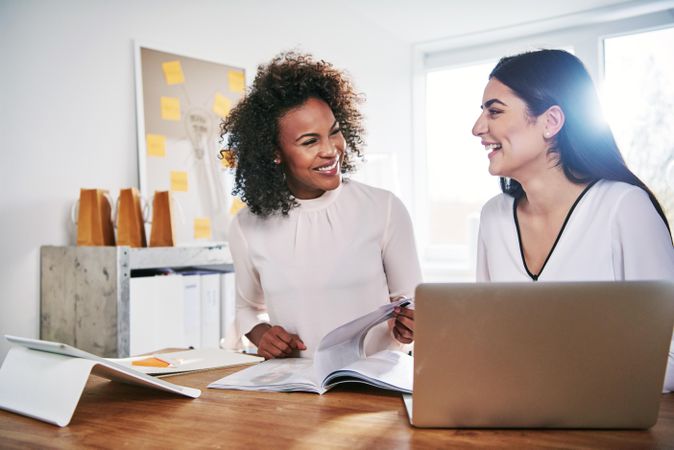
column 162, row 232
column 94, row 220
column 130, row 223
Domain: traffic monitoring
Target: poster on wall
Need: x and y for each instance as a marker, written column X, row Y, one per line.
column 180, row 103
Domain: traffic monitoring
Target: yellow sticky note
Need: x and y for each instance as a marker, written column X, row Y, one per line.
column 173, row 72
column 237, row 205
column 178, row 181
column 221, row 105
column 236, row 81
column 227, row 159
column 151, row 362
column 202, row 228
column 156, row 145
column 170, row 108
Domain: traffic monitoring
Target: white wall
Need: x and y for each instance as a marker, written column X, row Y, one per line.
column 67, row 111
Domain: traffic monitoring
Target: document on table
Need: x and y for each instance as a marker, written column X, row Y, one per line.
column 339, row 358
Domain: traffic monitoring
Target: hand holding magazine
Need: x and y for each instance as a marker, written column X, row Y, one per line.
column 339, row 359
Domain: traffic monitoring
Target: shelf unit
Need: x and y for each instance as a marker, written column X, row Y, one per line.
column 84, row 291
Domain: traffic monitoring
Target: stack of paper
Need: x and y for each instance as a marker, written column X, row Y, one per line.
column 187, row 361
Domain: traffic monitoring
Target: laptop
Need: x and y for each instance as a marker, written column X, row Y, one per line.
column 540, row 355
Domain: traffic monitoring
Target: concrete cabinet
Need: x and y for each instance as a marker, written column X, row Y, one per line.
column 84, row 291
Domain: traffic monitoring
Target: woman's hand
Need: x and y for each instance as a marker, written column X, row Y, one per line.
column 274, row 341
column 403, row 327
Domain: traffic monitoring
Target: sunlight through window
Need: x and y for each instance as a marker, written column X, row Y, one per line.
column 638, row 99
column 458, row 182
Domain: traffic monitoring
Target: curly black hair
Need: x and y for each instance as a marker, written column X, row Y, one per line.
column 250, row 132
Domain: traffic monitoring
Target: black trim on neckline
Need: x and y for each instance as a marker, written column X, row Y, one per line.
column 559, row 235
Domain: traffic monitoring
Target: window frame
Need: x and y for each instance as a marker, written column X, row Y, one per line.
column 583, row 32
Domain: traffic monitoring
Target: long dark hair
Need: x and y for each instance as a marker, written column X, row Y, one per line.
column 585, row 144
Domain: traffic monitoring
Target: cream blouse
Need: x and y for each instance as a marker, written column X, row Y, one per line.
column 329, row 261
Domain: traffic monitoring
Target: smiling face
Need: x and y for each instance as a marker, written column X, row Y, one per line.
column 515, row 142
column 311, row 147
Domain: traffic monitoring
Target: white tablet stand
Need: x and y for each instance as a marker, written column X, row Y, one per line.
column 47, row 386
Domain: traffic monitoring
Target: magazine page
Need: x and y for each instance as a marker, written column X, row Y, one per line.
column 344, row 345
column 277, row 375
column 339, row 349
column 388, row 369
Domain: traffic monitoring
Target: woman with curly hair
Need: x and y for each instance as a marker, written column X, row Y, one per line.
column 313, row 249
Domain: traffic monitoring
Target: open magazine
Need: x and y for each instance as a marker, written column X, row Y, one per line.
column 339, row 358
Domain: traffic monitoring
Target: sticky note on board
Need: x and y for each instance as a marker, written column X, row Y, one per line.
column 237, row 205
column 178, row 181
column 236, row 81
column 156, row 145
column 227, row 160
column 221, row 105
column 202, row 228
column 173, row 72
column 170, row 108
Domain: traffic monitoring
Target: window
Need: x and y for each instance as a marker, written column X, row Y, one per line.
column 451, row 181
column 457, row 181
column 638, row 99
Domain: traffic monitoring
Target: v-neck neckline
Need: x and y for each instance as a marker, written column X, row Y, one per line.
column 559, row 235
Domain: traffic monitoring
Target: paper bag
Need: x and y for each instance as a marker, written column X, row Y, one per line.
column 162, row 232
column 94, row 219
column 130, row 223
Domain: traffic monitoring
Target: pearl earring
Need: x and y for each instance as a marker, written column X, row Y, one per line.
column 547, row 134
column 277, row 160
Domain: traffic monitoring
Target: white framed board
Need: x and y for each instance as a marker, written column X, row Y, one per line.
column 180, row 103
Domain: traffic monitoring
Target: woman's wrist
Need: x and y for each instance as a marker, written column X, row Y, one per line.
column 255, row 334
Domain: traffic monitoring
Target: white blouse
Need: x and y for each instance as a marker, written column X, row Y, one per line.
column 613, row 233
column 329, row 261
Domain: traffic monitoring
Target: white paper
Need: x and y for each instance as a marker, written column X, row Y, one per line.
column 339, row 358
column 190, row 361
column 279, row 375
column 387, row 369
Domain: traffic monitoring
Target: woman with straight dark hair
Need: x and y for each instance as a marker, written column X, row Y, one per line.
column 571, row 210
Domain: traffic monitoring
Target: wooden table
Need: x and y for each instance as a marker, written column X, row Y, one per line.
column 112, row 415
